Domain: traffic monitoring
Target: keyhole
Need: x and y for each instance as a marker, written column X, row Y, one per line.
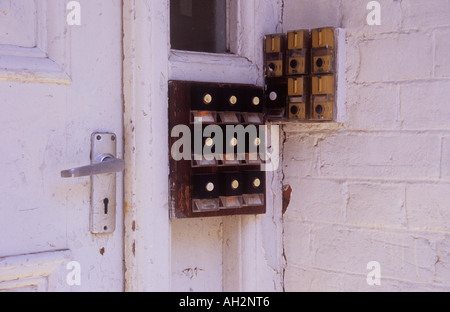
column 319, row 109
column 106, row 202
column 294, row 64
column 319, row 62
column 294, row 110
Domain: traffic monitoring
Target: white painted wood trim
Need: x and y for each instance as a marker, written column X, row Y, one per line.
column 29, row 285
column 48, row 62
column 185, row 65
column 33, row 68
column 147, row 244
column 10, row 50
column 195, row 58
column 30, row 270
column 251, row 255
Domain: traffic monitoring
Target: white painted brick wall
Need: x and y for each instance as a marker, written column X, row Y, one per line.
column 320, row 13
column 354, row 16
column 376, row 187
column 306, row 160
column 428, row 207
column 373, row 204
column 374, row 106
column 433, row 112
column 442, row 64
column 376, row 155
column 395, row 57
column 420, row 13
column 445, row 166
column 310, row 196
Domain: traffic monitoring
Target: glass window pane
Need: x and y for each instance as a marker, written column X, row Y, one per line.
column 198, row 25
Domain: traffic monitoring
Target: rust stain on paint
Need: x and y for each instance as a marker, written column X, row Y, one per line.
column 102, row 251
column 126, row 208
column 287, row 191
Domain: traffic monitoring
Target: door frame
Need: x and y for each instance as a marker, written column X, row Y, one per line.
column 146, row 223
column 254, row 252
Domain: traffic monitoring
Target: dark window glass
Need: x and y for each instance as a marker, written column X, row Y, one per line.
column 198, row 25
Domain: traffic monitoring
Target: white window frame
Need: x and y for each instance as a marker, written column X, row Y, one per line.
column 240, row 66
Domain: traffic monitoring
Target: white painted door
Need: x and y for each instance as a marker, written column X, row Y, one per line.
column 59, row 83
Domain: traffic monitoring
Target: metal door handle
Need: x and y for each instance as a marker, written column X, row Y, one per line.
column 105, row 164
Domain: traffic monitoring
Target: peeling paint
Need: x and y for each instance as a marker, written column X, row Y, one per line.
column 287, row 191
column 191, row 272
column 126, row 208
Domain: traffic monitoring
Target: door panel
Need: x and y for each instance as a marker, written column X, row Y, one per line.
column 17, row 23
column 45, row 128
column 34, row 272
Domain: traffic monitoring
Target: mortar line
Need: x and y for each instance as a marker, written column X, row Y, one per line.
column 370, row 180
column 422, row 232
column 441, row 157
column 400, row 111
column 433, row 54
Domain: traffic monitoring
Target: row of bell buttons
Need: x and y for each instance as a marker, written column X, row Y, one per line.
column 207, row 99
column 233, row 142
column 234, row 185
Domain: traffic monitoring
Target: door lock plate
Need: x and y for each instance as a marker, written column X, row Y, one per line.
column 103, row 186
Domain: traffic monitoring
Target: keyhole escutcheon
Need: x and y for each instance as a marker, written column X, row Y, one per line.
column 105, row 205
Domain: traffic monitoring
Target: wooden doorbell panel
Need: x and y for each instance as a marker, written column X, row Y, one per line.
column 214, row 172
